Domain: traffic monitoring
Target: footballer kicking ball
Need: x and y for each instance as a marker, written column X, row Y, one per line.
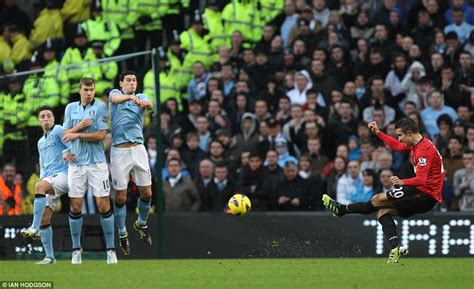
column 239, row 205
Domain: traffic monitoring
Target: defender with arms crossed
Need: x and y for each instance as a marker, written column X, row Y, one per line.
column 85, row 126
column 129, row 156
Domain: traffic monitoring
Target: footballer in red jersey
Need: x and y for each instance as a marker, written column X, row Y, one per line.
column 410, row 196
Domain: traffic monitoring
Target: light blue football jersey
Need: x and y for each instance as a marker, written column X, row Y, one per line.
column 127, row 119
column 50, row 148
column 87, row 152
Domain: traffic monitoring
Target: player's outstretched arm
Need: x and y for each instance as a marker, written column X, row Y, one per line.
column 120, row 98
column 78, row 127
column 96, row 136
column 388, row 140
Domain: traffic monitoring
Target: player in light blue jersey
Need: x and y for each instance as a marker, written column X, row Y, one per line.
column 85, row 127
column 52, row 184
column 128, row 155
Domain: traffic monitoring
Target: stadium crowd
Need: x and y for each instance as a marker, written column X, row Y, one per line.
column 268, row 98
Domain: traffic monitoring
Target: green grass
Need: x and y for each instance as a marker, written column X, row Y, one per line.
column 374, row 273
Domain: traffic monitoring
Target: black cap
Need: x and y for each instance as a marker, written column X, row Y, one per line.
column 97, row 44
column 79, row 31
column 212, row 3
column 162, row 54
column 175, row 39
column 197, row 19
column 96, row 6
column 47, row 45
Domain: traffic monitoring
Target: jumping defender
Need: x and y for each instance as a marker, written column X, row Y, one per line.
column 52, row 184
column 129, row 156
column 85, row 126
column 410, row 196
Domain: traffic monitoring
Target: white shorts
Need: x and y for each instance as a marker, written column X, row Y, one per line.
column 59, row 183
column 129, row 161
column 94, row 175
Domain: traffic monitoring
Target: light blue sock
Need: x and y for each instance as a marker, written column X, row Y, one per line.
column 120, row 216
column 38, row 209
column 75, row 225
column 143, row 211
column 107, row 221
column 47, row 240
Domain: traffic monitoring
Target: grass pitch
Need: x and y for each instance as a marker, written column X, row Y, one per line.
column 429, row 273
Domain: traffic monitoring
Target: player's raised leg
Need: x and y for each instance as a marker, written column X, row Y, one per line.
column 41, row 189
column 340, row 210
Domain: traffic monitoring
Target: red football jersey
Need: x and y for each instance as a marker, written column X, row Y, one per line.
column 427, row 163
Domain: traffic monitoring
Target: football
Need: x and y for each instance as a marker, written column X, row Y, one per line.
column 239, row 205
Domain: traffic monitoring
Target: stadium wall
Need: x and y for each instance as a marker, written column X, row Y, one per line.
column 261, row 235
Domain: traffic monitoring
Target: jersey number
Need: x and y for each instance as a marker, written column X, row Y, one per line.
column 396, row 193
column 106, row 184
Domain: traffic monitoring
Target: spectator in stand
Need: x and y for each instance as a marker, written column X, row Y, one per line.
column 464, row 114
column 303, row 83
column 362, row 28
column 293, row 191
column 394, row 79
column 470, row 137
column 223, row 189
column 424, row 32
column 197, row 85
column 464, row 183
column 189, row 122
column 449, row 86
column 192, row 154
column 341, row 127
column 250, row 180
column 464, row 6
column 273, row 176
column 180, row 192
column 204, row 182
column 337, row 171
column 384, row 180
column 12, row 193
column 452, row 161
column 437, row 107
column 202, row 125
column 445, row 125
column 347, row 184
column 322, row 82
column 365, row 189
column 459, row 25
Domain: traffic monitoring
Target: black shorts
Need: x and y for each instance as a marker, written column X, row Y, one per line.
column 409, row 201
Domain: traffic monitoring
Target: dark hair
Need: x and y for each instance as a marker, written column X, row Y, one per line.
column 222, row 164
column 407, row 124
column 458, row 138
column 125, row 73
column 254, row 154
column 87, row 81
column 192, row 134
column 45, row 107
column 444, row 118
